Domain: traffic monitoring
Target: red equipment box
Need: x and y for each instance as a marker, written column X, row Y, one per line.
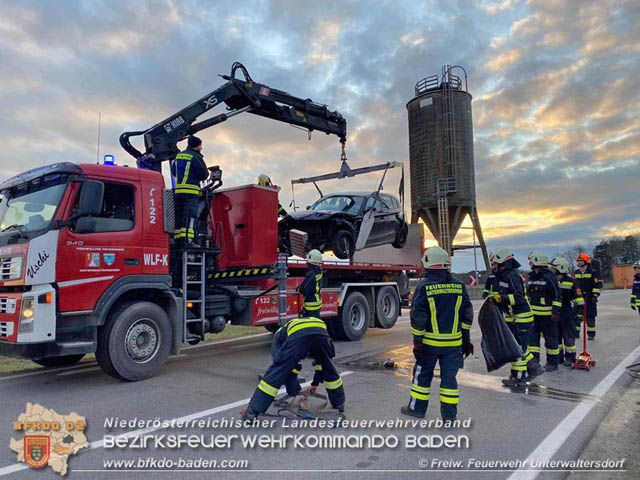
column 246, row 220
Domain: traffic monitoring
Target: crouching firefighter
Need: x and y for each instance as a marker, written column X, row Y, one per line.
column 546, row 302
column 506, row 289
column 304, row 336
column 310, row 286
column 189, row 170
column 441, row 318
column 572, row 302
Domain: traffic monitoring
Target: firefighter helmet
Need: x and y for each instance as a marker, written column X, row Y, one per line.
column 437, row 258
column 314, row 257
column 561, row 264
column 264, row 180
column 584, row 257
column 539, row 259
column 500, row 255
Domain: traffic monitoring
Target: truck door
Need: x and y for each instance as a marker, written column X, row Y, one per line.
column 95, row 252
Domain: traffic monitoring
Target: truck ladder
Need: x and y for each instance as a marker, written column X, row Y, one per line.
column 193, row 259
column 443, row 215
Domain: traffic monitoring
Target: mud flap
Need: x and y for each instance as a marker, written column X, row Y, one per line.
column 365, row 229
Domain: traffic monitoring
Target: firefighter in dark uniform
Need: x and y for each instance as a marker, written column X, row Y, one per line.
column 310, row 286
column 635, row 290
column 441, row 317
column 588, row 283
column 506, row 289
column 546, row 301
column 189, row 170
column 265, row 181
column 304, row 336
column 572, row 301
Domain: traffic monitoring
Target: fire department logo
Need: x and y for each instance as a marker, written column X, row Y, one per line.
column 109, row 258
column 36, row 450
column 48, row 438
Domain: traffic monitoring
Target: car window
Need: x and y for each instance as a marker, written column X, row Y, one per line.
column 384, row 202
column 391, row 202
column 341, row 203
column 118, row 208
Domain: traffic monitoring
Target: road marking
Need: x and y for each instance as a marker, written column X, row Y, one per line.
column 16, row 467
column 552, row 442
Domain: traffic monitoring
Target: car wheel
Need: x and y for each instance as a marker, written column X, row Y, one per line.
column 387, row 307
column 401, row 237
column 63, row 361
column 344, row 244
column 353, row 321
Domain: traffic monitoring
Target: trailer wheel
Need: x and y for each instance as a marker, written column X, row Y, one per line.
column 63, row 361
column 387, row 307
column 135, row 342
column 353, row 321
column 344, row 245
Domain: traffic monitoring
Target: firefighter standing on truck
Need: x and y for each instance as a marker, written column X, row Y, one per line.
column 310, row 286
column 304, row 336
column 506, row 288
column 571, row 301
column 635, row 290
column 588, row 283
column 265, row 181
column 189, row 170
column 546, row 302
column 441, row 318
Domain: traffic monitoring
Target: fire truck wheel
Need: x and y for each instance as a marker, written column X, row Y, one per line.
column 64, row 361
column 353, row 321
column 387, row 307
column 135, row 342
column 272, row 327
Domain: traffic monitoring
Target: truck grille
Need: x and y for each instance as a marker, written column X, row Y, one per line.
column 6, row 329
column 7, row 305
column 10, row 268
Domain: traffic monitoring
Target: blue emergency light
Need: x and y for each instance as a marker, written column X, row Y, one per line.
column 109, row 160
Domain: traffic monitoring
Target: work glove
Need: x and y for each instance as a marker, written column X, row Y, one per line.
column 496, row 299
column 594, row 300
column 418, row 351
column 633, row 306
column 467, row 349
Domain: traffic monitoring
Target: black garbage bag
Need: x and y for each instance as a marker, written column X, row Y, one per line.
column 499, row 347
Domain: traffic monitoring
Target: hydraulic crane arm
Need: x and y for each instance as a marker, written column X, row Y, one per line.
column 239, row 96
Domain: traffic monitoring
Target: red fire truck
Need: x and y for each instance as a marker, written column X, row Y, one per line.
column 87, row 263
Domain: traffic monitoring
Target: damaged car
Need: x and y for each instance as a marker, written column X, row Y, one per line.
column 333, row 222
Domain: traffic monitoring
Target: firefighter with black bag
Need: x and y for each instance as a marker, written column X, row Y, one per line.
column 506, row 289
column 441, row 318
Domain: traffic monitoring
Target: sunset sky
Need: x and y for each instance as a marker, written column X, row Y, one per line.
column 555, row 85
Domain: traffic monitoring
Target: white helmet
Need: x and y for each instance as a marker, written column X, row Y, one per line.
column 539, row 259
column 264, row 180
column 500, row 255
column 314, row 257
column 436, row 258
column 561, row 264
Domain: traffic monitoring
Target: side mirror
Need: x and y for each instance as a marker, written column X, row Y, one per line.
column 85, row 225
column 308, row 207
column 91, row 197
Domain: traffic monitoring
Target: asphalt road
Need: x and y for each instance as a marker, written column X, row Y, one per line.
column 553, row 419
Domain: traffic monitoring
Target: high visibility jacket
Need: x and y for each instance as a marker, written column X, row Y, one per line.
column 544, row 292
column 441, row 312
column 189, row 169
column 587, row 282
column 571, row 296
column 635, row 291
column 300, row 327
column 310, row 289
column 489, row 285
column 509, row 285
column 281, row 211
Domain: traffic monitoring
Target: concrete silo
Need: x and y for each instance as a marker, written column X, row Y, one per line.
column 442, row 168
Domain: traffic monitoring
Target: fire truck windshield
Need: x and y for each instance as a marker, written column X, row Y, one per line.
column 29, row 207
